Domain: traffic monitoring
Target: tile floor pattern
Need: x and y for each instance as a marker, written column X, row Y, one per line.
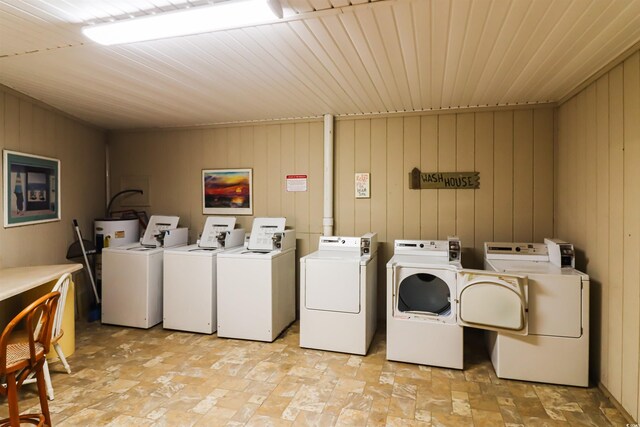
column 131, row 377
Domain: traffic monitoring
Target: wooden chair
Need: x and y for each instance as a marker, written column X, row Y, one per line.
column 19, row 360
column 62, row 286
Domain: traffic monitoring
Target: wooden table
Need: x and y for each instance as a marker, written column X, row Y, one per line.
column 19, row 286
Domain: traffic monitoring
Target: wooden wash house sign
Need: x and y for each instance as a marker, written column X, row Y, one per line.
column 443, row 180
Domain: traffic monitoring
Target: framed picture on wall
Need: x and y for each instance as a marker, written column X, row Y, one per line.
column 227, row 191
column 31, row 189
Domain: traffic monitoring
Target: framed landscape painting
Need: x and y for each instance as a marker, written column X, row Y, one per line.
column 227, row 191
column 31, row 189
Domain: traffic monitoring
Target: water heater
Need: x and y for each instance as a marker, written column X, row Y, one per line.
column 115, row 232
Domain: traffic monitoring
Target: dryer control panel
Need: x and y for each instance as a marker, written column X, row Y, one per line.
column 448, row 249
column 521, row 251
column 365, row 245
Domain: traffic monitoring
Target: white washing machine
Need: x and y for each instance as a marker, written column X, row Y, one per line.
column 557, row 347
column 338, row 294
column 430, row 298
column 189, row 300
column 257, row 285
column 132, row 275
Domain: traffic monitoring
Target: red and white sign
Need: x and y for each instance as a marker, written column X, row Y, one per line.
column 296, row 182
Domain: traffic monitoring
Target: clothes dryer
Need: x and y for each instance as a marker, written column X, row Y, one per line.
column 132, row 275
column 556, row 350
column 190, row 294
column 338, row 294
column 430, row 298
column 257, row 285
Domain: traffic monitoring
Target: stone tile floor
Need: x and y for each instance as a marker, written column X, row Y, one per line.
column 130, row 377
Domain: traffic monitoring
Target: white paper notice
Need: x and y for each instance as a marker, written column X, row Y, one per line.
column 362, row 185
column 296, row 182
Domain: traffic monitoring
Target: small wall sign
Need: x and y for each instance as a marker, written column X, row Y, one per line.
column 443, row 180
column 296, row 182
column 362, row 185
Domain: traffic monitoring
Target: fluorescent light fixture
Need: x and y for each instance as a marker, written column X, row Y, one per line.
column 204, row 19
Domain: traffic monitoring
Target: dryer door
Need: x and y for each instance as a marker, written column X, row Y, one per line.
column 494, row 301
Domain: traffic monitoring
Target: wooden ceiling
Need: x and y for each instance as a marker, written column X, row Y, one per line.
column 328, row 56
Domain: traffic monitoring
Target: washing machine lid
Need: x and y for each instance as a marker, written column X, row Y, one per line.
column 332, row 284
column 493, row 301
column 338, row 256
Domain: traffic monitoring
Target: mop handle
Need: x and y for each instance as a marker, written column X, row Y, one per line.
column 86, row 261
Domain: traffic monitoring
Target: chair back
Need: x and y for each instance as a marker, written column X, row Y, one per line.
column 39, row 323
column 62, row 286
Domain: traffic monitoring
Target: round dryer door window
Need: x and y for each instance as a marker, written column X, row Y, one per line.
column 424, row 293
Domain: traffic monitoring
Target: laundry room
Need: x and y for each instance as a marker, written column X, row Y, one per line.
column 392, row 145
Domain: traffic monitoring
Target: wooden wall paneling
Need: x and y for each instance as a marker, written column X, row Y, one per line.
column 395, row 179
column 484, row 154
column 273, row 172
column 379, row 178
column 287, row 167
column 428, row 163
column 233, row 148
column 589, row 177
column 345, row 157
column 48, row 136
column 631, row 194
column 363, row 165
column 411, row 198
column 26, row 127
column 616, row 231
column 379, row 205
column 220, row 139
column 543, row 173
column 503, row 176
column 523, row 175
column 260, row 171
column 578, row 196
column 245, row 151
column 602, row 222
column 446, row 163
column 11, row 122
column 301, row 166
column 38, row 132
column 316, row 180
column 465, row 199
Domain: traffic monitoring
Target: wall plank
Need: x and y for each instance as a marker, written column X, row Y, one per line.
column 429, row 163
column 411, row 198
column 484, row 203
column 543, row 174
column 602, row 222
column 363, row 164
column 465, row 199
column 523, row 176
column 503, row 176
column 447, row 163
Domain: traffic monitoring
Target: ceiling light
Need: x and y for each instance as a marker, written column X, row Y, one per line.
column 219, row 16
